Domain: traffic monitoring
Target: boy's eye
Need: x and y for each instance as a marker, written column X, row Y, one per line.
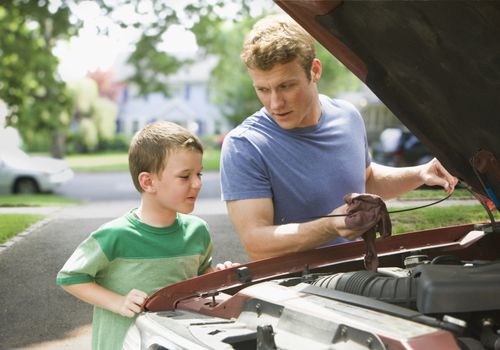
column 184, row 177
column 200, row 174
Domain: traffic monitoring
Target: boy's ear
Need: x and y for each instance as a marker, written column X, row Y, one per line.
column 146, row 181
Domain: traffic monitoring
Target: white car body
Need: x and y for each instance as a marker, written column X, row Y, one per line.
column 21, row 173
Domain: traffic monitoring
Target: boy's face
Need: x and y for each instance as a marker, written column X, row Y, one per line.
column 178, row 185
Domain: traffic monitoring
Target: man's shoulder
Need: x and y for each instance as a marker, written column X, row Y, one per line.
column 337, row 103
column 251, row 125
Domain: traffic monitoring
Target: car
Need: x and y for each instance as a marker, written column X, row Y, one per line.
column 436, row 65
column 24, row 174
column 400, row 147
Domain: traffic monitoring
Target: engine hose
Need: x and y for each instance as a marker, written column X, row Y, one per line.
column 490, row 339
column 400, row 291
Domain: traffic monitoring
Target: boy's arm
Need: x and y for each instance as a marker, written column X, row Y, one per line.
column 99, row 296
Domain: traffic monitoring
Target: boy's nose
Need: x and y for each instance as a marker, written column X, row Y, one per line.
column 196, row 183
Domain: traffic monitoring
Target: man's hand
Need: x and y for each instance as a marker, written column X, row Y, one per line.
column 434, row 174
column 131, row 303
column 340, row 226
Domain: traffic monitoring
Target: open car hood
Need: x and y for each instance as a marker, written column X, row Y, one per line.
column 435, row 65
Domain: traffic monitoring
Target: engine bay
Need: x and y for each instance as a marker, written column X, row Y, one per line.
column 462, row 297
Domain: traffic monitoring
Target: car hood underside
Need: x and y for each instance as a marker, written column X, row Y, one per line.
column 434, row 64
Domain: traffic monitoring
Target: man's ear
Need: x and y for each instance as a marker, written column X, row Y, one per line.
column 146, row 181
column 316, row 70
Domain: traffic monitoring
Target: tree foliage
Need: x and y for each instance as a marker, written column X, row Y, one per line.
column 38, row 101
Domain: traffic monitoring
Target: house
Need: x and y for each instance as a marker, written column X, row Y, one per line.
column 189, row 104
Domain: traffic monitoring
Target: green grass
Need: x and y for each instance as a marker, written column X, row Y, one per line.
column 435, row 195
column 434, row 217
column 101, row 162
column 211, row 160
column 36, row 200
column 12, row 224
column 107, row 162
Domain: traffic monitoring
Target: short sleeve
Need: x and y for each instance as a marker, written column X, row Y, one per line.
column 84, row 264
column 368, row 157
column 206, row 259
column 243, row 171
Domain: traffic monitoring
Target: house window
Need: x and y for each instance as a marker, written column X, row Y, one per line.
column 187, row 92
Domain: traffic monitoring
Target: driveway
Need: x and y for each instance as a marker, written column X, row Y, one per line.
column 34, row 312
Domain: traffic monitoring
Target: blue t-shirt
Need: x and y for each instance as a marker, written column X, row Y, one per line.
column 306, row 171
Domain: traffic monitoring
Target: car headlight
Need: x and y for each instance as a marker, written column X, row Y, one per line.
column 61, row 176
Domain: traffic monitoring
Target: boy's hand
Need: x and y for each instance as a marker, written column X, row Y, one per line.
column 226, row 265
column 131, row 303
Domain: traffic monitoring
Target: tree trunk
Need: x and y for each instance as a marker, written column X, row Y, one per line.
column 58, row 144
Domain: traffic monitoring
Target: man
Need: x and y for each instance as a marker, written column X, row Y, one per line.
column 296, row 158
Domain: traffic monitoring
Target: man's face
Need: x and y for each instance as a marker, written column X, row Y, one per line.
column 287, row 94
column 180, row 182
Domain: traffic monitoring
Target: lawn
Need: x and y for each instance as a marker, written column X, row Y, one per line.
column 36, row 200
column 12, row 224
column 103, row 162
column 424, row 194
column 434, row 217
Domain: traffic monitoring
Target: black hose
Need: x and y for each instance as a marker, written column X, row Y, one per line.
column 490, row 339
column 400, row 291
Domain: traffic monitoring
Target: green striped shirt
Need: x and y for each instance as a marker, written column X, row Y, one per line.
column 125, row 254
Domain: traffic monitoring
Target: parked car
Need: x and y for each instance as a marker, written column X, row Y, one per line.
column 21, row 173
column 436, row 66
column 399, row 147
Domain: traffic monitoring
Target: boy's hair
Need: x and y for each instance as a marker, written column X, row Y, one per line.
column 151, row 146
column 278, row 40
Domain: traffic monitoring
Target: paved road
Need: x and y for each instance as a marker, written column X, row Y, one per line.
column 119, row 186
column 34, row 312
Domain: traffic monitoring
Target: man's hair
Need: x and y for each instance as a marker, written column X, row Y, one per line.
column 278, row 40
column 151, row 146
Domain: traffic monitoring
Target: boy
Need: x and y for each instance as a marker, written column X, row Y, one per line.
column 151, row 246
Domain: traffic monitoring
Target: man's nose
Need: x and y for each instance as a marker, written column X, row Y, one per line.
column 277, row 100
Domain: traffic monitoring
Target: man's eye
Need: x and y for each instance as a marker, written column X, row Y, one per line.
column 200, row 174
column 184, row 177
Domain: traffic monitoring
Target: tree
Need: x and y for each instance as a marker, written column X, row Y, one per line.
column 38, row 101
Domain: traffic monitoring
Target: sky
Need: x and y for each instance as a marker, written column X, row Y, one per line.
column 90, row 51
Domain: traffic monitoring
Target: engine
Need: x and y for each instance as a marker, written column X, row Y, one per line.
column 462, row 297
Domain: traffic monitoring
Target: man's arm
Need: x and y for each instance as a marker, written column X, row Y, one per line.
column 253, row 220
column 390, row 182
